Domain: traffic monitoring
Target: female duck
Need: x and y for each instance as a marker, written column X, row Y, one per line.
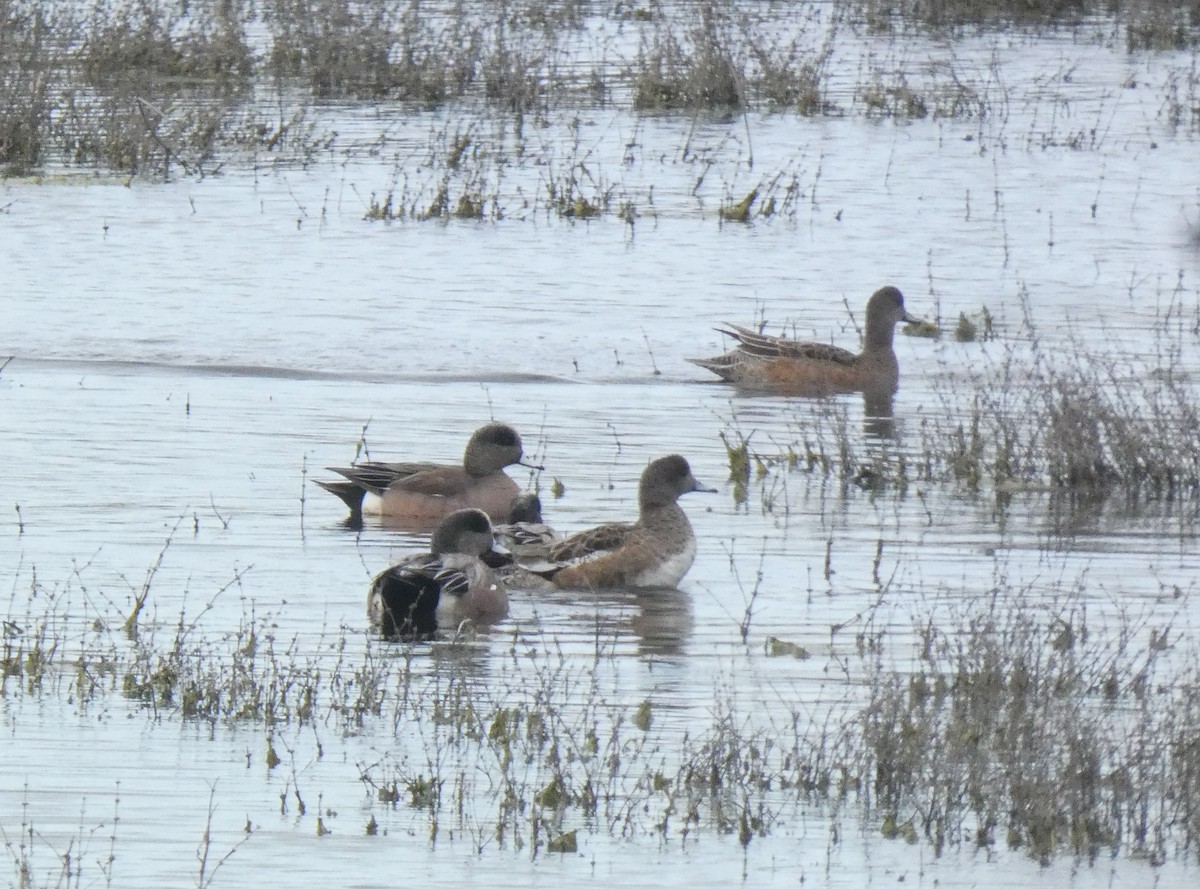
column 655, row 551
column 796, row 367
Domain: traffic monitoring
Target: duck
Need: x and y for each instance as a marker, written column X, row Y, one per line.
column 416, row 496
column 655, row 551
column 440, row 589
column 526, row 534
column 797, row 367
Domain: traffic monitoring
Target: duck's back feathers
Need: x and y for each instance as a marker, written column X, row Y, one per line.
column 435, row 481
column 587, row 546
column 754, row 347
column 591, row 543
column 764, row 345
column 376, row 477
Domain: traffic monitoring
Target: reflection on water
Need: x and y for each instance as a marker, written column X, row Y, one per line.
column 662, row 622
column 878, row 409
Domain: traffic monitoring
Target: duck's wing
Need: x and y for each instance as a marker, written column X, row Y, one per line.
column 582, row 546
column 767, row 347
column 403, row 600
column 526, row 538
column 434, row 481
column 590, row 543
column 374, row 476
column 723, row 366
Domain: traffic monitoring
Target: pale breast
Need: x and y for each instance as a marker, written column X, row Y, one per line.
column 670, row 570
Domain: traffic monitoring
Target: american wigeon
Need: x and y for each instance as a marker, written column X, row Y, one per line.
column 526, row 534
column 655, row 551
column 417, row 495
column 441, row 588
column 761, row 361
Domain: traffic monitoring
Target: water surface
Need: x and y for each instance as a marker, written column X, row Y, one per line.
column 189, row 355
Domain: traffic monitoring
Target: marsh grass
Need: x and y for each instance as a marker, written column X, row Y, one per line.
column 26, row 86
column 1162, row 25
column 145, row 42
column 1148, row 24
column 154, row 87
column 955, row 13
column 1181, row 100
column 1028, row 726
column 341, row 50
column 1077, row 419
column 719, row 57
column 72, row 864
column 688, row 71
column 1017, row 719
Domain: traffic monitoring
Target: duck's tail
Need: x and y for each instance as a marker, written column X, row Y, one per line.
column 350, row 494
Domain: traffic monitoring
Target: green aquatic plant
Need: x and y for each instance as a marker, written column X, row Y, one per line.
column 739, row 211
column 469, row 207
column 895, row 100
column 738, row 456
column 924, row 329
column 966, row 331
column 383, row 211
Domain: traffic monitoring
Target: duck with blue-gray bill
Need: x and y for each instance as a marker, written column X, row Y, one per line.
column 418, row 495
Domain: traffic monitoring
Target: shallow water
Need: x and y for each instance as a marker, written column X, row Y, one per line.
column 188, row 356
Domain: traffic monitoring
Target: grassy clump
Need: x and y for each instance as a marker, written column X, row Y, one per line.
column 953, row 13
column 691, row 71
column 1076, row 419
column 144, row 42
column 154, row 87
column 1148, row 25
column 339, row 49
column 1162, row 25
column 897, row 99
column 1025, row 726
column 26, row 85
column 730, row 58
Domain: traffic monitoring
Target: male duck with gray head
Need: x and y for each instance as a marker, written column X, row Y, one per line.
column 441, row 588
column 797, row 367
column 418, row 495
